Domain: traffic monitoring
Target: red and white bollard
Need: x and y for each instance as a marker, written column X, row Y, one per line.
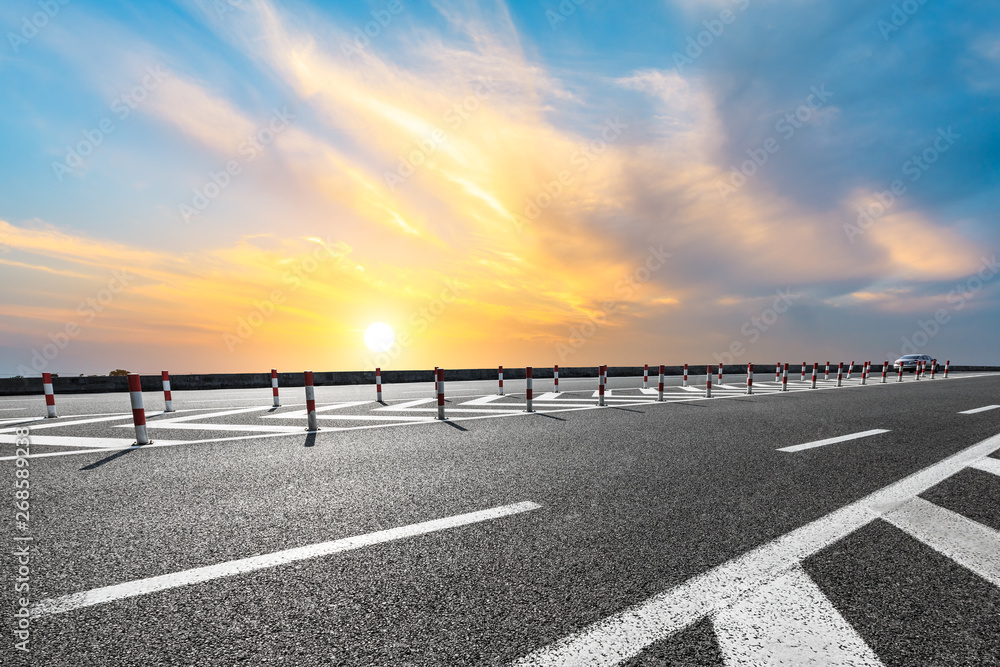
column 138, row 412
column 784, row 379
column 885, row 369
column 899, row 376
column 500, row 381
column 659, row 387
column 850, row 370
column 749, row 378
column 708, row 382
column 274, row 387
column 378, row 385
column 555, row 379
column 439, row 382
column 933, row 367
column 645, row 376
column 803, row 377
column 815, row 372
column 528, row 391
column 946, row 364
column 840, row 374
column 50, row 396
column 600, row 385
column 777, row 373
column 720, row 373
column 168, row 401
column 684, row 383
column 826, row 376
column 434, row 376
column 864, row 372
column 916, row 370
column 312, row 423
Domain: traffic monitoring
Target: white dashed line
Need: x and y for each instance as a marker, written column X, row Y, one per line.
column 831, row 441
column 975, row 410
column 231, row 568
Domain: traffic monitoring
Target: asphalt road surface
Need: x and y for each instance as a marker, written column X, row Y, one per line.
column 739, row 530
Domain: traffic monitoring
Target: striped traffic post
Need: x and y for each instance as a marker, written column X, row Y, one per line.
column 803, row 376
column 168, row 402
column 784, row 378
column 378, row 385
column 50, row 396
column 555, row 379
column 826, row 376
column 439, row 382
column 850, row 370
column 708, row 382
column 434, row 377
column 933, row 367
column 500, row 381
column 528, row 392
column 840, row 374
column 274, row 387
column 885, row 369
column 600, row 385
column 138, row 412
column 749, row 378
column 899, row 375
column 684, row 383
column 864, row 372
column 720, row 373
column 815, row 372
column 645, row 376
column 916, row 371
column 312, row 424
column 659, row 387
column 777, row 373
column 946, row 364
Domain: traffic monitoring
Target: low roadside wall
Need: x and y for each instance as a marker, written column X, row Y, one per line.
column 106, row 384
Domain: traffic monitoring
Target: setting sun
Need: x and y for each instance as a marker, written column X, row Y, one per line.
column 379, row 337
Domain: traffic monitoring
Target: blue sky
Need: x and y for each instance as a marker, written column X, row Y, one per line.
column 837, row 101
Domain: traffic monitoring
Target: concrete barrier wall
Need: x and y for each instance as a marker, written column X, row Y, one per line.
column 106, row 384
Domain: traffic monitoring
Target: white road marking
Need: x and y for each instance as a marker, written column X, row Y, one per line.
column 830, row 441
column 987, row 464
column 407, row 405
column 975, row 410
column 625, row 634
column 197, row 575
column 188, row 426
column 483, row 400
column 970, row 544
column 789, row 622
column 55, row 423
column 69, row 441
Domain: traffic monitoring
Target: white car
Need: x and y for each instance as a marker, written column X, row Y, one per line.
column 909, row 361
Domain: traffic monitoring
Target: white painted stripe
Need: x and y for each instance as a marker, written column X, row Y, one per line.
column 231, row 568
column 831, row 441
column 626, row 633
column 72, row 422
column 483, row 400
column 408, row 404
column 301, row 414
column 974, row 411
column 789, row 622
column 987, row 465
column 189, row 426
column 67, row 441
column 970, row 544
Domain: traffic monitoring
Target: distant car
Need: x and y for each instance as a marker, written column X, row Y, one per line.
column 909, row 361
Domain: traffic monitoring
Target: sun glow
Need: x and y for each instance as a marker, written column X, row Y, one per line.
column 379, row 337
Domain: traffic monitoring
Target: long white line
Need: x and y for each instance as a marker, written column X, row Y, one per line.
column 73, row 441
column 627, row 633
column 197, row 575
column 975, row 410
column 970, row 544
column 831, row 441
column 789, row 622
column 987, row 464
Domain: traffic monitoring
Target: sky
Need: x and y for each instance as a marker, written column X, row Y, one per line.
column 235, row 185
